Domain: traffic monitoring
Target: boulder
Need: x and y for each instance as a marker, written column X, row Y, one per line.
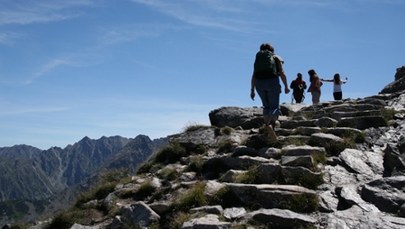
column 292, row 197
column 388, row 194
column 362, row 122
column 398, row 84
column 363, row 162
column 332, row 143
column 139, row 214
column 247, row 118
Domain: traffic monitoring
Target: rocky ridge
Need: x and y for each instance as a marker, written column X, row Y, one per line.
column 335, row 165
column 35, row 182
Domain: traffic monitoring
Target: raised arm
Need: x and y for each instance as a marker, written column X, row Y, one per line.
column 323, row 80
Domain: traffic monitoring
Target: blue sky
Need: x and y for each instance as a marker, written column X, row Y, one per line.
column 76, row 68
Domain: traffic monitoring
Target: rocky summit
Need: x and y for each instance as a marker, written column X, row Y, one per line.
column 338, row 164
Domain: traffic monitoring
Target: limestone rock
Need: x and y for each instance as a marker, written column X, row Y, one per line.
column 139, row 214
column 247, row 118
column 281, row 218
column 388, row 193
column 209, row 221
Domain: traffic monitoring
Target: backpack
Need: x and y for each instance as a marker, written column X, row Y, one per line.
column 265, row 65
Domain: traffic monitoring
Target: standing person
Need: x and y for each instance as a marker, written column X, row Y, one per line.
column 315, row 86
column 265, row 79
column 337, row 86
column 298, row 86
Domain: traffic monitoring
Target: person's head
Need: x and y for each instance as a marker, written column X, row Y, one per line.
column 299, row 76
column 312, row 75
column 311, row 72
column 336, row 78
column 266, row 46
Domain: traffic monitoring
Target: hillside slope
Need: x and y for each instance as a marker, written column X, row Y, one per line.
column 31, row 180
column 335, row 165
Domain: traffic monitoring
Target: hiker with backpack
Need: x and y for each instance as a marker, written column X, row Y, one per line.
column 315, row 86
column 298, row 86
column 337, row 86
column 265, row 79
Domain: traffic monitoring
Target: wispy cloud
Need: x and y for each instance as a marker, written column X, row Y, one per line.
column 48, row 67
column 210, row 14
column 132, row 32
column 28, row 12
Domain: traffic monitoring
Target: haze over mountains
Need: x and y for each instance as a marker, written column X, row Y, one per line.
column 30, row 177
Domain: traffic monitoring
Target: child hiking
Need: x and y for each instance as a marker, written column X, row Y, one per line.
column 337, row 86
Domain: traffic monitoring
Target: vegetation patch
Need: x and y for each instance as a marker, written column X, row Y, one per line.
column 149, row 167
column 170, row 154
column 192, row 198
column 388, row 114
column 319, row 158
column 168, row 173
column 99, row 192
column 225, row 146
column 145, row 190
column 249, row 177
column 194, row 127
column 305, row 203
column 226, row 130
column 196, row 164
column 226, row 198
column 66, row 219
column 178, row 219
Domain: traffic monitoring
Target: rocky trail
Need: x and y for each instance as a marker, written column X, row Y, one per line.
column 335, row 165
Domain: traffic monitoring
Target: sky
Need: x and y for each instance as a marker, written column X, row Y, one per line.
column 70, row 69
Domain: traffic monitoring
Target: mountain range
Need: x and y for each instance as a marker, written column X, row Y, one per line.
column 31, row 178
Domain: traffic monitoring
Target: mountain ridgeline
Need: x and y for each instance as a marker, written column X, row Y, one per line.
column 30, row 175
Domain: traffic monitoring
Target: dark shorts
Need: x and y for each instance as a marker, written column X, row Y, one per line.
column 337, row 95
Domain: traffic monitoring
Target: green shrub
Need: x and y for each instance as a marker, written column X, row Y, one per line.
column 178, row 219
column 200, row 149
column 114, row 175
column 194, row 127
column 149, row 167
column 225, row 146
column 168, row 174
column 99, row 192
column 196, row 164
column 145, row 190
column 66, row 219
column 249, row 177
column 388, row 114
column 170, row 154
column 226, row 130
column 319, row 158
column 192, row 198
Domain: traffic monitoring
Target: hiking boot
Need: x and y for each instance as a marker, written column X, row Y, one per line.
column 270, row 134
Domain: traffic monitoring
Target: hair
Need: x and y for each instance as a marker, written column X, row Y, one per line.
column 266, row 46
column 312, row 74
column 336, row 78
column 299, row 74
